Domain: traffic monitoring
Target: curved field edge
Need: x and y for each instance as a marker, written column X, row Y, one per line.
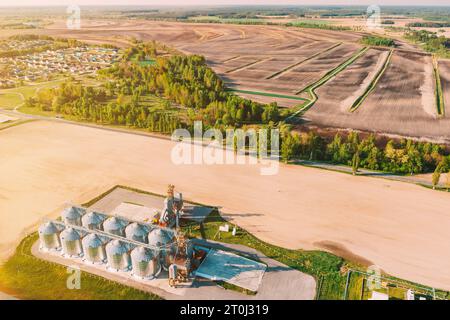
column 372, row 85
column 440, row 105
column 28, row 277
column 329, row 75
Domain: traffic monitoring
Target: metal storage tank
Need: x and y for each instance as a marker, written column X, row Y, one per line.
column 145, row 264
column 137, row 232
column 118, row 256
column 93, row 221
column 165, row 241
column 72, row 215
column 94, row 249
column 49, row 236
column 114, row 226
column 71, row 243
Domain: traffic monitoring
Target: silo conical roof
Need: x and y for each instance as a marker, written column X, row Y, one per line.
column 48, row 228
column 141, row 254
column 70, row 234
column 159, row 237
column 92, row 241
column 136, row 232
column 92, row 218
column 116, row 247
column 73, row 212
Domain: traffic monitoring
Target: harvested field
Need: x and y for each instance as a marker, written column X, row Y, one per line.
column 403, row 103
column 271, row 59
column 444, row 71
column 44, row 165
column 337, row 96
column 315, row 69
column 244, row 55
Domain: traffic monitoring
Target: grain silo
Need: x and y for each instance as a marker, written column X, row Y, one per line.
column 93, row 221
column 115, row 226
column 118, row 256
column 94, row 249
column 72, row 215
column 71, row 243
column 49, row 236
column 137, row 232
column 145, row 264
column 165, row 243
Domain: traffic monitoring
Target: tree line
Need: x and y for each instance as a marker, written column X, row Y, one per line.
column 401, row 157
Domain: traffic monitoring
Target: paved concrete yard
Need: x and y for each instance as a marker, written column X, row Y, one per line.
column 123, row 202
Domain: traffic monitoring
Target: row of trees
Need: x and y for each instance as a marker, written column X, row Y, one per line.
column 431, row 41
column 378, row 41
column 403, row 157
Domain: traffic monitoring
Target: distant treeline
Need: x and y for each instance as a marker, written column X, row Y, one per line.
column 429, row 24
column 57, row 43
column 317, row 25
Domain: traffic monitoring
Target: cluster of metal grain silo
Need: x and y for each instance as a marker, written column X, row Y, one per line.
column 165, row 240
column 140, row 249
column 49, row 236
column 94, row 248
column 71, row 242
column 118, row 255
column 145, row 263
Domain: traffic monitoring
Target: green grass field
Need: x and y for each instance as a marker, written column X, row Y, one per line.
column 28, row 277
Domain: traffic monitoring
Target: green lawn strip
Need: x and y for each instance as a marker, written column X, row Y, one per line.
column 8, row 100
column 267, row 94
column 28, row 277
column 438, row 92
column 373, row 83
column 303, row 61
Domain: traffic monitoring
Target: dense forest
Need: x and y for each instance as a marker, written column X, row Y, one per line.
column 185, row 82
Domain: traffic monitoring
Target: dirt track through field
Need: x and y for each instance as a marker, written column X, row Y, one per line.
column 47, row 164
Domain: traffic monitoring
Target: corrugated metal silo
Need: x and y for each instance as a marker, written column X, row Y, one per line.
column 94, row 249
column 115, row 226
column 72, row 215
column 93, row 221
column 49, row 236
column 137, row 232
column 71, row 243
column 165, row 241
column 118, row 256
column 145, row 264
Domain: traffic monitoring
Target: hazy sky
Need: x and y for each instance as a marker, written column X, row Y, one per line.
column 219, row 2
